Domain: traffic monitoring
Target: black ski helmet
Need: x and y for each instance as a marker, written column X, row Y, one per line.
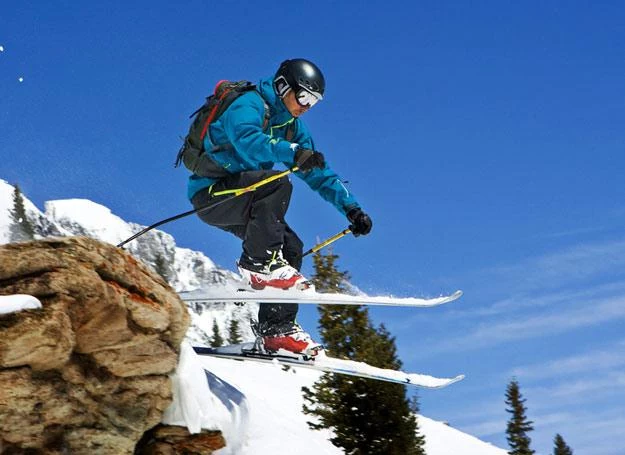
column 299, row 72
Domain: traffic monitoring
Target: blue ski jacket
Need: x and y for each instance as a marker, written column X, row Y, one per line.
column 241, row 125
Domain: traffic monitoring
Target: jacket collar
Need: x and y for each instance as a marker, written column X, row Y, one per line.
column 279, row 112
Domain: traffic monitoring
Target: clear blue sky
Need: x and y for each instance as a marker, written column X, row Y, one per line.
column 486, row 141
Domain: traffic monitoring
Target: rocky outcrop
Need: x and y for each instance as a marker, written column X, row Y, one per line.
column 87, row 373
column 173, row 440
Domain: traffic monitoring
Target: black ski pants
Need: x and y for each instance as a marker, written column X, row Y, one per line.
column 257, row 218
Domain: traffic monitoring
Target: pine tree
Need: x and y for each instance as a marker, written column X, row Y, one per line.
column 420, row 439
column 367, row 416
column 21, row 228
column 234, row 335
column 217, row 339
column 518, row 425
column 327, row 277
column 560, row 446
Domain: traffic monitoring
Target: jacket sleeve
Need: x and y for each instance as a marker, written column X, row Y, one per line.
column 243, row 124
column 324, row 181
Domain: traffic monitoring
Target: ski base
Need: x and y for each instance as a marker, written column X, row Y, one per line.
column 235, row 295
column 322, row 362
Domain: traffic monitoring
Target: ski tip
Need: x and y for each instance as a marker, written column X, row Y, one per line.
column 437, row 383
column 458, row 378
column 448, row 298
column 451, row 381
column 451, row 297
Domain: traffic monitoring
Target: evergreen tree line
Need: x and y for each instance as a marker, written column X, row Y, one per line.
column 373, row 417
column 519, row 426
column 234, row 334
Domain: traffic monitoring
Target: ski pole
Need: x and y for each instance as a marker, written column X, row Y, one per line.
column 254, row 186
column 232, row 193
column 325, row 243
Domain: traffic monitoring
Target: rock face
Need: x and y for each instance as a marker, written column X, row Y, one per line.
column 87, row 373
column 173, row 440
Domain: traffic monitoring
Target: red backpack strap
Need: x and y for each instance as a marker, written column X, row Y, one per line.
column 220, row 98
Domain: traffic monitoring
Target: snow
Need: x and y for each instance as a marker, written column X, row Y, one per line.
column 365, row 370
column 18, row 302
column 184, row 262
column 276, row 424
column 203, row 317
column 275, row 421
column 442, row 439
column 6, row 204
column 94, row 218
column 202, row 400
column 206, row 400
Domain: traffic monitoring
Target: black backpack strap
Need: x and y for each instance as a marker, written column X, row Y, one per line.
column 267, row 114
column 222, row 147
column 291, row 131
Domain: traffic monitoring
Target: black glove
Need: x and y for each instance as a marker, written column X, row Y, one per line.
column 306, row 160
column 361, row 223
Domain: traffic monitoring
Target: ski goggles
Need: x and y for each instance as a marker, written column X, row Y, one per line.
column 306, row 98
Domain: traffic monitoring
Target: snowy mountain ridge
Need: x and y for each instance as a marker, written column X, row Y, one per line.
column 183, row 268
column 272, row 399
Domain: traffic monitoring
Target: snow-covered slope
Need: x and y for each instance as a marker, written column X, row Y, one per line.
column 441, row 439
column 277, row 425
column 274, row 398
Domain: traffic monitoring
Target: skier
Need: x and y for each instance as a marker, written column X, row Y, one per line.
column 272, row 252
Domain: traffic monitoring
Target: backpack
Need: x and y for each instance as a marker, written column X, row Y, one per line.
column 192, row 153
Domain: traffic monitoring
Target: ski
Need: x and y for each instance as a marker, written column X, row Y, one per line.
column 325, row 363
column 231, row 294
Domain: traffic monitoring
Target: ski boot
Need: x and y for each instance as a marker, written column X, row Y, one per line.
column 294, row 341
column 275, row 273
